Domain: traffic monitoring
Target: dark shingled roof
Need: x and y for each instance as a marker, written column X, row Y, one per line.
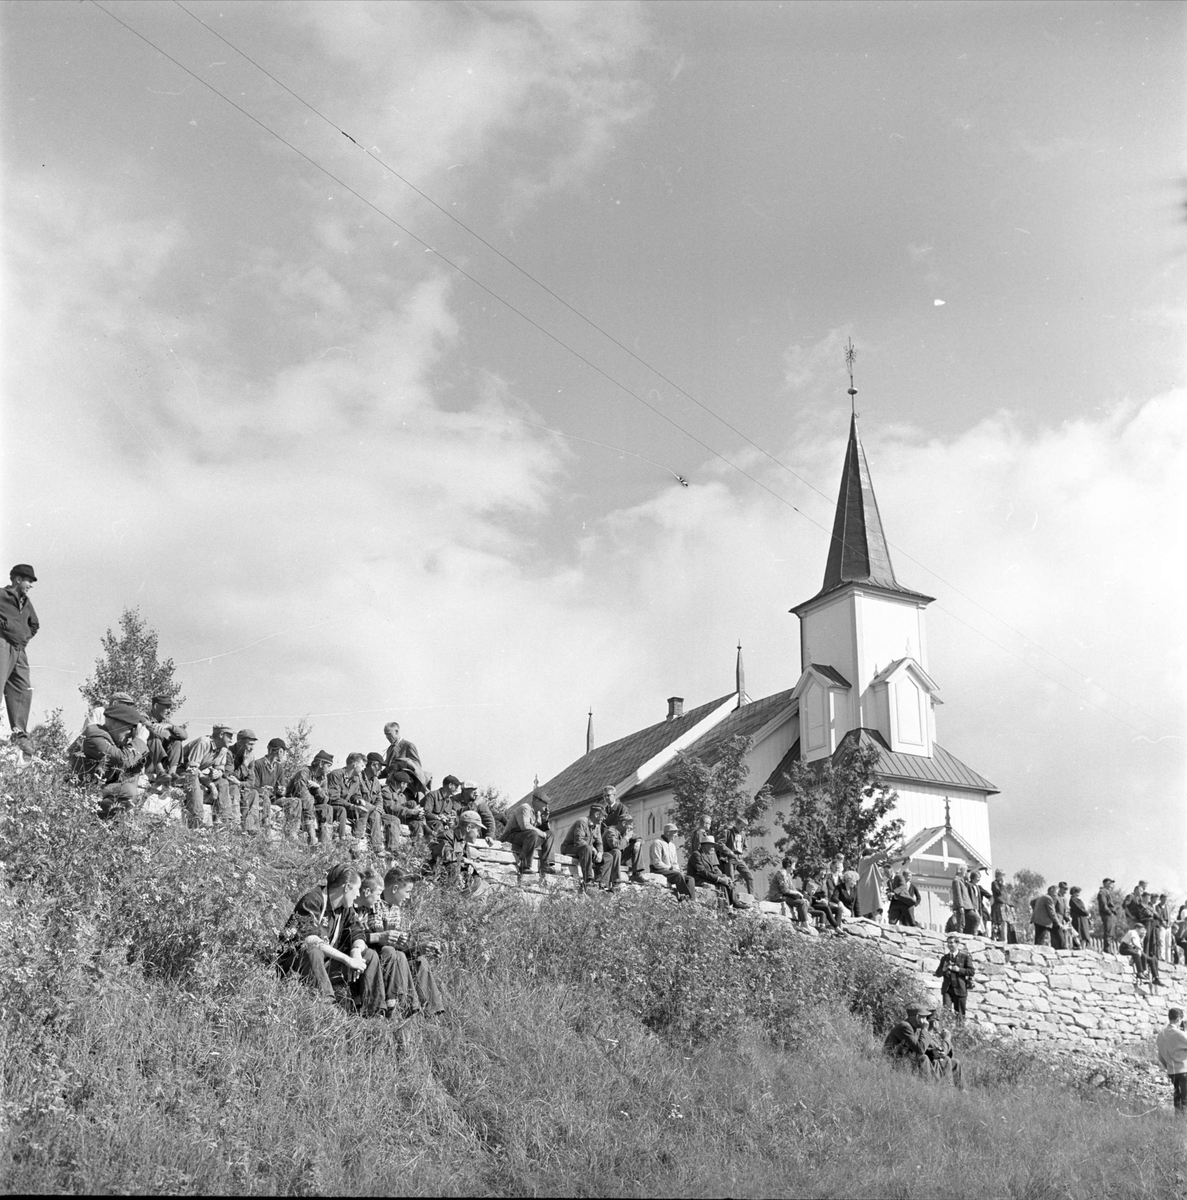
column 742, row 722
column 942, row 769
column 581, row 781
column 858, row 552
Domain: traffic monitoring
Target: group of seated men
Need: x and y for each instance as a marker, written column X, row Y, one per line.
column 369, row 797
column 350, row 940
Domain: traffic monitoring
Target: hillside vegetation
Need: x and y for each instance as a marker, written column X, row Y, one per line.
column 597, row 1046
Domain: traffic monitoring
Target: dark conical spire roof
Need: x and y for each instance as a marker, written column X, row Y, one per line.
column 858, row 552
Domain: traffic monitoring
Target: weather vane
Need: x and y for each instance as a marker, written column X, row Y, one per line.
column 850, row 359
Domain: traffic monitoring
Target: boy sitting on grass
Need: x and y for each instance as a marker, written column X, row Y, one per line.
column 405, row 958
column 325, row 944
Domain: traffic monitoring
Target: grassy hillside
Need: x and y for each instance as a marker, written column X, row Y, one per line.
column 599, row 1046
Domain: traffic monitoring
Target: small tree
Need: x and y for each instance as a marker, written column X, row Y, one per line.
column 1020, row 891
column 496, row 798
column 50, row 738
column 297, row 738
column 718, row 790
column 129, row 664
column 838, row 808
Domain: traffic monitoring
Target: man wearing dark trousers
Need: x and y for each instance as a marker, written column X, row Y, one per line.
column 265, row 787
column 325, row 943
column 956, row 970
column 1107, row 907
column 703, row 868
column 664, row 862
column 18, row 627
column 583, row 843
column 528, row 829
column 1172, row 1053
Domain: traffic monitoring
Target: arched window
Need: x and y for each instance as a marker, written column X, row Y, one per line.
column 651, row 824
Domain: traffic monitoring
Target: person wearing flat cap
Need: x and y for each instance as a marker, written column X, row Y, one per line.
column 166, row 740
column 110, row 755
column 303, row 795
column 400, row 805
column 1108, row 908
column 371, row 801
column 583, row 843
column 204, row 764
column 240, row 756
column 18, row 626
column 908, row 1039
column 451, row 855
column 469, row 800
column 529, row 830
column 265, row 787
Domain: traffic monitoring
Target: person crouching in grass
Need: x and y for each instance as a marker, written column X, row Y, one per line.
column 325, row 944
column 405, row 959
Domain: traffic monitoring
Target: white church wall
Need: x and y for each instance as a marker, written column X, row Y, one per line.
column 921, row 806
column 889, row 629
column 826, row 638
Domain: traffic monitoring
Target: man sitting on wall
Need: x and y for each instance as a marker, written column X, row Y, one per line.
column 785, row 890
column 703, row 868
column 583, row 843
column 110, row 755
column 662, row 856
column 528, row 830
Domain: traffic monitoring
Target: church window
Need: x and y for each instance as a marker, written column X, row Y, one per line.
column 910, row 724
column 651, row 824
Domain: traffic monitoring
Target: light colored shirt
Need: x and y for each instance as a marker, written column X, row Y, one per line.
column 1172, row 1050
column 1132, row 939
column 662, row 855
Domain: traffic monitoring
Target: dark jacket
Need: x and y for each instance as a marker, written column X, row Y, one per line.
column 582, row 833
column 98, row 757
column 1043, row 911
column 702, row 863
column 957, row 971
column 903, row 893
column 267, row 775
column 18, row 621
column 1106, row 905
column 313, row 917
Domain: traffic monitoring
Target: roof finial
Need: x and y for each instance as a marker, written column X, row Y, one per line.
column 947, row 815
column 536, row 782
column 850, row 358
column 740, row 679
column 589, row 733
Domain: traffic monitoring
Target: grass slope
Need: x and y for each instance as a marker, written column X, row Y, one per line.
column 596, row 1047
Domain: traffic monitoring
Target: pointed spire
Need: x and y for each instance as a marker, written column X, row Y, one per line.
column 740, row 679
column 589, row 734
column 947, row 815
column 858, row 552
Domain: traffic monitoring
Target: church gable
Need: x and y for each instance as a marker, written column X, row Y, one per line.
column 823, row 696
column 905, row 697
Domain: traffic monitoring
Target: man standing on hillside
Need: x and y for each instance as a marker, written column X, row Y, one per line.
column 1172, row 1053
column 18, row 627
column 956, row 970
column 1106, row 906
column 402, row 755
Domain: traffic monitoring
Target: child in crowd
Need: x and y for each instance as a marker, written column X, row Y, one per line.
column 405, row 958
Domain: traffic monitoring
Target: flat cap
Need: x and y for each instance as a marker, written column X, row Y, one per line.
column 23, row 569
column 468, row 785
column 122, row 698
column 920, row 1010
column 277, row 744
column 162, row 698
column 323, row 756
column 451, row 780
column 247, row 735
column 121, row 714
column 375, row 757
column 220, row 728
column 471, row 817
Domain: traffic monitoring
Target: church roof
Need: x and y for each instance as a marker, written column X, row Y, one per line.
column 582, row 780
column 858, row 551
column 942, row 769
column 742, row 722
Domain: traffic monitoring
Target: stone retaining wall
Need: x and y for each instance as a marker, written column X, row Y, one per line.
column 1067, row 997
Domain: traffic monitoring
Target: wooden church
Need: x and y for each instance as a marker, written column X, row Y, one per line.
column 864, row 677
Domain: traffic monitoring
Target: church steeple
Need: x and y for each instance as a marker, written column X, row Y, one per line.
column 858, row 552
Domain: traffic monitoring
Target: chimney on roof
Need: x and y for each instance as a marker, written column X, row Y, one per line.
column 675, row 707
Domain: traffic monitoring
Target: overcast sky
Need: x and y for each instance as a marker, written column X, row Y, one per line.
column 344, row 481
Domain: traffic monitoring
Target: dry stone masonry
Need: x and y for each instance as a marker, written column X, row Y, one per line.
column 1064, row 997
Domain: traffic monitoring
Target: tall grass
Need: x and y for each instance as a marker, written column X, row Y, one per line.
column 592, row 1047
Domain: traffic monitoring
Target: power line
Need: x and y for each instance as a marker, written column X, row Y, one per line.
column 622, row 345
column 582, row 358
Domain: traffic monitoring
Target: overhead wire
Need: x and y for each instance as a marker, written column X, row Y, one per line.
column 616, row 341
column 581, row 357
